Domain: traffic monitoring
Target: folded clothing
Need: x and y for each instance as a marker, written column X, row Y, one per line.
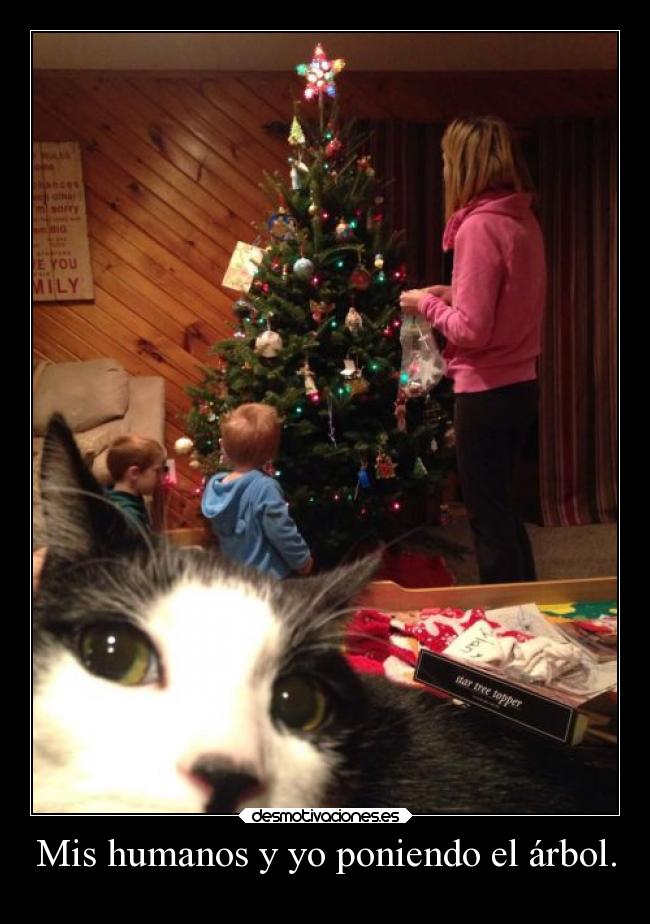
column 379, row 643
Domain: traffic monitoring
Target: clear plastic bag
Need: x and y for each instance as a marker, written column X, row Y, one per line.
column 422, row 362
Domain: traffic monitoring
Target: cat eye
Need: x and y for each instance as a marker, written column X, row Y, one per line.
column 298, row 703
column 120, row 653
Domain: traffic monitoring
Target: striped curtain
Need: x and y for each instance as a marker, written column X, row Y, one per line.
column 577, row 178
column 407, row 155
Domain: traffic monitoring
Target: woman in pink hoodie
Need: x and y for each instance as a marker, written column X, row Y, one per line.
column 491, row 318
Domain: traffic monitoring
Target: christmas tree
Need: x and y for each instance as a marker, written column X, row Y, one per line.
column 319, row 336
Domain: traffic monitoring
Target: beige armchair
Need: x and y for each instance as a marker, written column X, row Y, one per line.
column 100, row 401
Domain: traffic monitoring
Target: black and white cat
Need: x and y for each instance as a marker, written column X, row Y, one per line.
column 169, row 680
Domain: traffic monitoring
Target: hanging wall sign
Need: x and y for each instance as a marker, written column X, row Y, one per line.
column 61, row 269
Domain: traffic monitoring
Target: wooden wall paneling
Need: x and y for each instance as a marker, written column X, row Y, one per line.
column 192, row 240
column 149, row 265
column 170, row 138
column 117, row 139
column 176, row 317
column 230, row 98
column 179, row 366
column 277, row 91
column 146, row 309
column 206, row 122
column 242, row 139
column 259, row 108
column 52, row 351
column 164, row 237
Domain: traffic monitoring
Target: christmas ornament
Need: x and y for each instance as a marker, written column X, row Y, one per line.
column 333, row 147
column 400, row 411
column 243, row 268
column 419, row 470
column 282, row 226
column 384, row 465
column 320, row 74
column 353, row 320
column 308, row 375
column 269, row 344
column 183, row 445
column 296, row 135
column 364, row 165
column 299, row 173
column 379, row 261
column 360, row 279
column 343, row 231
column 330, row 415
column 303, row 268
column 320, row 309
column 349, row 370
column 364, row 478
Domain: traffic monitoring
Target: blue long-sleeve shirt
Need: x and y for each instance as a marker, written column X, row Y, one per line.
column 250, row 517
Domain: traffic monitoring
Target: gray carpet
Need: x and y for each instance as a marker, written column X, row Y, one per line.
column 560, row 552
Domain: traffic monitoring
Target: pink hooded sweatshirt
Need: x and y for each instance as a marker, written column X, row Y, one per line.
column 498, row 290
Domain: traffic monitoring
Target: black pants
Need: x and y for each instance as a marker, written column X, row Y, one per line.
column 491, row 427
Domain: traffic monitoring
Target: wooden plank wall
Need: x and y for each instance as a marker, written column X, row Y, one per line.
column 172, row 164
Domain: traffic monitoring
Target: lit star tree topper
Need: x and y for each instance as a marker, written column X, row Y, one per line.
column 320, row 74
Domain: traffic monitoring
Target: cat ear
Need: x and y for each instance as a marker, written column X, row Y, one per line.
column 78, row 517
column 332, row 592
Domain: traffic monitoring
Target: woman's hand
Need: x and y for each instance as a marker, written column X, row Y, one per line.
column 409, row 301
column 443, row 292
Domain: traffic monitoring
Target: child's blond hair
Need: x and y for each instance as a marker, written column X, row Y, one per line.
column 129, row 450
column 250, row 435
column 480, row 153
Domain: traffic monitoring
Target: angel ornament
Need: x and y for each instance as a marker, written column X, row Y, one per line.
column 400, row 411
column 308, row 375
column 353, row 320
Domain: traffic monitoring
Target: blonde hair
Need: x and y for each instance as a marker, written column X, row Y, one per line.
column 481, row 153
column 250, row 435
column 129, row 450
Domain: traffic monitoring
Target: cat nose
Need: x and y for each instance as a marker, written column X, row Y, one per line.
column 227, row 783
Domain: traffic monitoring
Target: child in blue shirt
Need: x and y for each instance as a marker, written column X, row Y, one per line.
column 246, row 508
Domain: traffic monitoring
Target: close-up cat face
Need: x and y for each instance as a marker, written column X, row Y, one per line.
column 167, row 680
column 170, row 680
column 195, row 697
